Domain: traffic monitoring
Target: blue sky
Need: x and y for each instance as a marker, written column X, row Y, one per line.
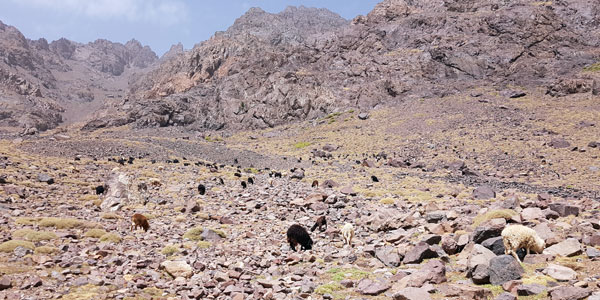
column 157, row 23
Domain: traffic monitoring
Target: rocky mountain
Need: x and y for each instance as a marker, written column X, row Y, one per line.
column 312, row 62
column 45, row 84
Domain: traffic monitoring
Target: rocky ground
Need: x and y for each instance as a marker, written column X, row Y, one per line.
column 428, row 186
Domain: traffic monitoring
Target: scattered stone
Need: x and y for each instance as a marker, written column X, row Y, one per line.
column 569, row 293
column 363, row 116
column 389, row 256
column 530, row 289
column 564, row 209
column 45, row 178
column 494, row 244
column 418, row 253
column 372, row 287
column 463, row 291
column 484, row 192
column 569, row 247
column 487, row 230
column 177, row 268
column 559, row 143
column 560, row 273
column 504, row 268
column 411, row 293
column 506, row 296
column 5, row 283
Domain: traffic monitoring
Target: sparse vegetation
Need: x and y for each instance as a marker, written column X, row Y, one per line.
column 33, row 236
column 45, row 250
column 95, row 233
column 170, row 250
column 204, row 244
column 494, row 214
column 301, row 145
column 9, row 246
column 194, row 234
column 111, row 238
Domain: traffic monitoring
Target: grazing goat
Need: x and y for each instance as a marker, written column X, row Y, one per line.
column 296, row 234
column 139, row 220
column 348, row 234
column 201, row 189
column 516, row 237
column 315, row 184
column 250, row 180
column 100, row 190
column 321, row 224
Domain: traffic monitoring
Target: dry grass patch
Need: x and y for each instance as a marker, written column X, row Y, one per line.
column 506, row 214
column 62, row 223
column 194, row 234
column 95, row 233
column 111, row 238
column 110, row 216
column 26, row 221
column 45, row 250
column 33, row 236
column 170, row 250
column 204, row 244
column 9, row 246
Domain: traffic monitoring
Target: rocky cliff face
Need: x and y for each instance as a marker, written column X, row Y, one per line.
column 269, row 69
column 40, row 81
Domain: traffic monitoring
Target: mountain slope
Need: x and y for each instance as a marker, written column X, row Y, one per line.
column 257, row 75
column 45, row 84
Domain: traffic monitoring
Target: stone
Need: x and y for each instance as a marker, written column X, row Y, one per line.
column 31, row 282
column 564, row 209
column 511, row 286
column 530, row 289
column 432, row 239
column 434, row 272
column 372, row 287
column 467, row 292
column 483, row 193
column 479, row 256
column 21, row 251
column 544, row 231
column 418, row 253
column 559, row 143
column 504, row 268
column 532, row 213
column 449, row 245
column 411, row 293
column 348, row 190
column 389, row 256
column 267, row 283
column 560, row 273
column 495, row 245
column 45, row 178
column 488, row 229
column 569, row 247
column 118, row 192
column 363, row 116
column 298, row 174
column 481, row 274
column 506, row 296
column 592, row 252
column 569, row 293
column 210, row 235
column 177, row 268
column 5, row 283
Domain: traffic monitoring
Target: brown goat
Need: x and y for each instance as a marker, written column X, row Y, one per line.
column 139, row 220
column 315, row 184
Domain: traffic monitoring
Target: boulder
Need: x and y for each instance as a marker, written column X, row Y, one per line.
column 504, row 268
column 560, row 273
column 569, row 293
column 411, row 293
column 495, row 245
column 530, row 289
column 372, row 287
column 118, row 192
column 418, row 253
column 177, row 268
column 483, row 193
column 389, row 256
column 488, row 229
column 569, row 247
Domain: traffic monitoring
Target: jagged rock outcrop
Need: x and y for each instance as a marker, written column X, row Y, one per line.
column 269, row 69
column 40, row 82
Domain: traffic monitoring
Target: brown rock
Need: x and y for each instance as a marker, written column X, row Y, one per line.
column 569, row 293
column 372, row 287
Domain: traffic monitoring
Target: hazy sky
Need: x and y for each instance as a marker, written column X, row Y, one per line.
column 157, row 23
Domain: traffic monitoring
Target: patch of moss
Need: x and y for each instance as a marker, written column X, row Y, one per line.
column 204, row 244
column 339, row 274
column 301, row 145
column 9, row 246
column 45, row 250
column 95, row 233
column 194, row 234
column 170, row 250
column 496, row 289
column 111, row 238
column 328, row 288
column 33, row 236
column 494, row 214
column 593, row 68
